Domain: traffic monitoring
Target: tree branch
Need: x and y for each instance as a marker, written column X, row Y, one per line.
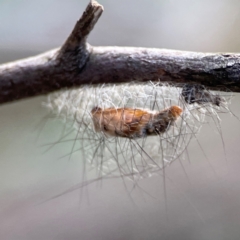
column 77, row 63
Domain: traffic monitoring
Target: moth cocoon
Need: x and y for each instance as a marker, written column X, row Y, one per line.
column 130, row 129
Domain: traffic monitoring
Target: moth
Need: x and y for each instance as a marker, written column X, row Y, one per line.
column 134, row 122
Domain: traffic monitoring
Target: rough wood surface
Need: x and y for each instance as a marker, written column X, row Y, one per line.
column 77, row 63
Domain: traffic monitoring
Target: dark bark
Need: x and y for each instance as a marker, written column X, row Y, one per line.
column 118, row 64
column 77, row 63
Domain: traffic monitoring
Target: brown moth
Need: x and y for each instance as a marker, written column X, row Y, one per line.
column 133, row 123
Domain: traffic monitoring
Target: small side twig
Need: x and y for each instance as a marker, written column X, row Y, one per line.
column 75, row 51
column 77, row 63
column 54, row 69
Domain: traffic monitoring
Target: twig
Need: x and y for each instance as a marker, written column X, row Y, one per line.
column 77, row 63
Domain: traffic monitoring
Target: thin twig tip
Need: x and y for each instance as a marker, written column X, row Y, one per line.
column 96, row 4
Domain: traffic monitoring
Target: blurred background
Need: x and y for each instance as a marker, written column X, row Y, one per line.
column 203, row 196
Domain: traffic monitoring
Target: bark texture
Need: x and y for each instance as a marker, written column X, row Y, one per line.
column 77, row 63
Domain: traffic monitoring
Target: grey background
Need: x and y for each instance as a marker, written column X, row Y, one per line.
column 203, row 197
